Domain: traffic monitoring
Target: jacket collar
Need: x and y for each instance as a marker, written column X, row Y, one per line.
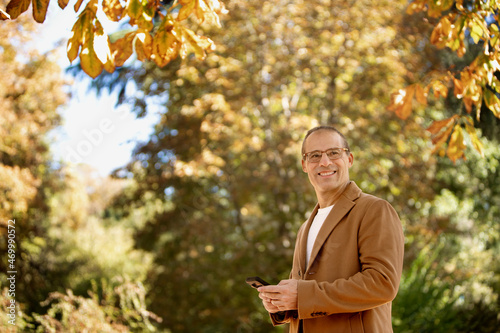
column 344, row 204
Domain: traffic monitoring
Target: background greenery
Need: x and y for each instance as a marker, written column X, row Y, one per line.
column 217, row 194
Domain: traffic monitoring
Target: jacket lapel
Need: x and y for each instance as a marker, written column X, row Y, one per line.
column 343, row 205
column 303, row 240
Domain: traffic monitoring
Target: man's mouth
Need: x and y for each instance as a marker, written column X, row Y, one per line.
column 327, row 173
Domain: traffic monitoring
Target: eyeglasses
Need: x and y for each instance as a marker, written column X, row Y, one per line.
column 316, row 155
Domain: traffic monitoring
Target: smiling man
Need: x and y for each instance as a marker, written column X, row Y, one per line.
column 348, row 255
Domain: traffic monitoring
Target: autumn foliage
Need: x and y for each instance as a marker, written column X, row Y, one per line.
column 458, row 23
column 157, row 31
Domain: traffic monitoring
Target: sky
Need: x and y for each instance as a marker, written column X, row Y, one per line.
column 94, row 131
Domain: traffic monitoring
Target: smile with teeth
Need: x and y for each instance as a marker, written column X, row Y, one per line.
column 327, row 173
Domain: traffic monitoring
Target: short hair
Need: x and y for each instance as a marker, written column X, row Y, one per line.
column 324, row 128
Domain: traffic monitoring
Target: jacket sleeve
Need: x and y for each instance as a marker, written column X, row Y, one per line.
column 380, row 249
column 284, row 317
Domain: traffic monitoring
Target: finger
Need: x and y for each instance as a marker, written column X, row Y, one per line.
column 266, row 297
column 284, row 282
column 269, row 289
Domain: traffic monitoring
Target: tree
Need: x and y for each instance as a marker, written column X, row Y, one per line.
column 156, row 30
column 62, row 244
column 30, row 92
column 467, row 28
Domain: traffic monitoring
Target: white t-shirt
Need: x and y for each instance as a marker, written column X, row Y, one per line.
column 318, row 221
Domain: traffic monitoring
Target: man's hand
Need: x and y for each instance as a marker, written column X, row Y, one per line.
column 282, row 297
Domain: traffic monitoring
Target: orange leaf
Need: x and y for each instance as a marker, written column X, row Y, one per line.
column 122, row 48
column 143, row 45
column 40, row 10
column 401, row 102
column 456, row 146
column 437, row 126
column 468, row 104
column 441, row 138
column 17, row 7
column 62, row 3
column 77, row 5
column 459, row 89
column 420, row 94
column 186, row 9
column 113, row 9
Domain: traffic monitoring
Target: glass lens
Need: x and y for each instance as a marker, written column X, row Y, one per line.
column 333, row 154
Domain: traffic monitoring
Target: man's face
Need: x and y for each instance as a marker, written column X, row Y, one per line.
column 327, row 175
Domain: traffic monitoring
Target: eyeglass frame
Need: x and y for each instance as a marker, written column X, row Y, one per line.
column 306, row 158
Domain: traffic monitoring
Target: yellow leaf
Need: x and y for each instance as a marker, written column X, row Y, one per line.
column 492, row 102
column 469, row 127
column 197, row 44
column 62, row 3
column 75, row 40
column 40, row 10
column 439, row 89
column 442, row 33
column 4, row 15
column 113, row 9
column 186, row 9
column 89, row 61
column 17, row 7
column 456, row 146
column 166, row 44
column 102, row 49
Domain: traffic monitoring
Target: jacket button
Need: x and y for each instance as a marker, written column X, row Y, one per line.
column 300, row 273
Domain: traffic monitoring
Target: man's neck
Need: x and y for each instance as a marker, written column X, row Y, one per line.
column 329, row 198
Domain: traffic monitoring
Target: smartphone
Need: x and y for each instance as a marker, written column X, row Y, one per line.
column 256, row 282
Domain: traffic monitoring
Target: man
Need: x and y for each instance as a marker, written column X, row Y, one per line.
column 348, row 256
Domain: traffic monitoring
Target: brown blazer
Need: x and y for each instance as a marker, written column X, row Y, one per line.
column 354, row 269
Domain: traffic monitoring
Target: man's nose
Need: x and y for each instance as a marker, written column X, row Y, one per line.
column 325, row 160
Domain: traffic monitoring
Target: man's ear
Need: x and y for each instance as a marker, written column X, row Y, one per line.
column 304, row 166
column 351, row 159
